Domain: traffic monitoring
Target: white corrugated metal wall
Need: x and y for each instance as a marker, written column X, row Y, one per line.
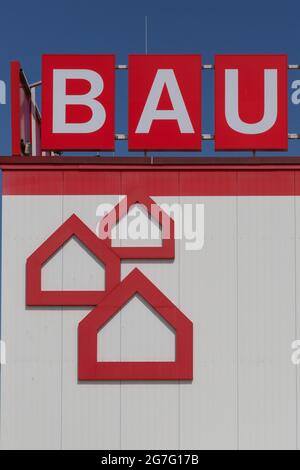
column 240, row 291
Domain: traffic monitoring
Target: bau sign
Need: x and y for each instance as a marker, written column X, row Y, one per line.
column 78, row 102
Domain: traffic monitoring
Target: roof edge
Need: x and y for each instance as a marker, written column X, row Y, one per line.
column 45, row 163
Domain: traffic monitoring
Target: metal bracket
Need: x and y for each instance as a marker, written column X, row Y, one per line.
column 34, row 85
column 294, row 136
column 121, row 137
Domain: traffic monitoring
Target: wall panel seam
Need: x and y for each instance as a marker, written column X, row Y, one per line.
column 62, row 318
column 237, row 318
column 296, row 309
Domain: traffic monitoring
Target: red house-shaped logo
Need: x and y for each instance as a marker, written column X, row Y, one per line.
column 115, row 296
column 73, row 227
column 89, row 368
column 166, row 223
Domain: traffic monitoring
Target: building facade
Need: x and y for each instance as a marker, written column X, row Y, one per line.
column 239, row 287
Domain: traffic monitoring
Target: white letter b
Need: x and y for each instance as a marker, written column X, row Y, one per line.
column 61, row 100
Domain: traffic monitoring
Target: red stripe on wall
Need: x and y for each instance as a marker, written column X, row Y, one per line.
column 208, row 183
column 280, row 181
column 91, row 182
column 266, row 183
column 32, row 182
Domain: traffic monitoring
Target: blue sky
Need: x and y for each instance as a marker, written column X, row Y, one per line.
column 29, row 29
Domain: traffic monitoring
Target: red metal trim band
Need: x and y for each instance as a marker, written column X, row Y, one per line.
column 162, row 181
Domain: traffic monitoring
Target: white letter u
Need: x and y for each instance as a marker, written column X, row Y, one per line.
column 232, row 103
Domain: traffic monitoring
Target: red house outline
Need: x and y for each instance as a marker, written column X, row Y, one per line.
column 166, row 251
column 71, row 227
column 89, row 369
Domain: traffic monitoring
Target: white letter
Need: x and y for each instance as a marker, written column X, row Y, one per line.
column 173, row 211
column 296, row 94
column 195, row 236
column 2, row 92
column 296, row 354
column 101, row 211
column 178, row 113
column 232, row 103
column 138, row 228
column 2, row 353
column 61, row 100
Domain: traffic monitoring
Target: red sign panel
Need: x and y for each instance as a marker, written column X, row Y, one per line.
column 164, row 102
column 251, row 102
column 78, row 102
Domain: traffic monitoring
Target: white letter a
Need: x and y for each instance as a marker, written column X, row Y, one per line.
column 165, row 77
